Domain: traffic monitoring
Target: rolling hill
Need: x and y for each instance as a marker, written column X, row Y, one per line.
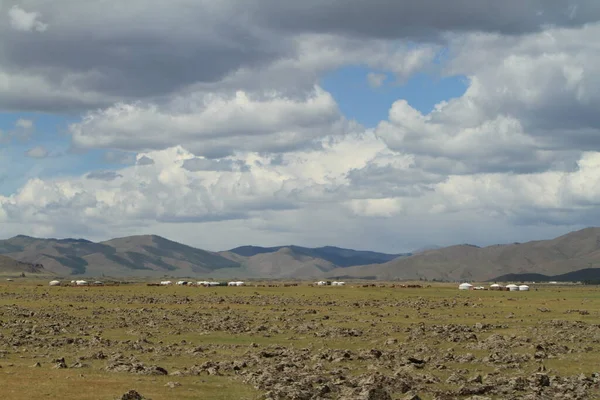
column 334, row 255
column 152, row 255
column 130, row 256
column 568, row 253
column 581, row 275
column 9, row 266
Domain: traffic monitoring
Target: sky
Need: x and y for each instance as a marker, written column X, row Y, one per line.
column 369, row 124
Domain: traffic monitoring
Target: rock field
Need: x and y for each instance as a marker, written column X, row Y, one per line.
column 302, row 342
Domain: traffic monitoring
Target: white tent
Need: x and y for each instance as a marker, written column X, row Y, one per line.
column 54, row 283
column 338, row 283
column 465, row 286
column 512, row 287
column 81, row 283
column 321, row 283
column 524, row 288
column 495, row 286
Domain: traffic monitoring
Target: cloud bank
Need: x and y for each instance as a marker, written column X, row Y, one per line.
column 217, row 117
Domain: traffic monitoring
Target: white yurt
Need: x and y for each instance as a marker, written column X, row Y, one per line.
column 81, row 283
column 54, row 283
column 495, row 286
column 523, row 288
column 465, row 286
column 338, row 283
column 512, row 287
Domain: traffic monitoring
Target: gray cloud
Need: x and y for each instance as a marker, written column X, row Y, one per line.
column 145, row 160
column 204, row 164
column 104, row 175
column 118, row 157
column 375, row 80
column 151, row 50
column 37, row 152
column 425, row 19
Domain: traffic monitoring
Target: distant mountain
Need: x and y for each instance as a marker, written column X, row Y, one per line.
column 131, row 256
column 9, row 266
column 335, row 255
column 581, row 275
column 576, row 253
column 152, row 255
column 568, row 253
column 286, row 262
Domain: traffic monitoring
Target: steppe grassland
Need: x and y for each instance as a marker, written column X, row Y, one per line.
column 178, row 328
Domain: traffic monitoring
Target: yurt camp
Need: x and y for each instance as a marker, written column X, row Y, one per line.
column 465, row 286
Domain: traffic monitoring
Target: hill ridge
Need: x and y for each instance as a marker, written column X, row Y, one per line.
column 564, row 254
column 154, row 255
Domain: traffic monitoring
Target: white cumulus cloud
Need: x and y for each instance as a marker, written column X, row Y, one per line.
column 22, row 20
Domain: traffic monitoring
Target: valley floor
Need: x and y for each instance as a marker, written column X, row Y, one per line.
column 297, row 342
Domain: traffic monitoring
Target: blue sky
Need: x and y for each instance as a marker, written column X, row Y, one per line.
column 51, row 132
column 370, row 105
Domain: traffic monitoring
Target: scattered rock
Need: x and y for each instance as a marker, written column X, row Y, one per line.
column 133, row 395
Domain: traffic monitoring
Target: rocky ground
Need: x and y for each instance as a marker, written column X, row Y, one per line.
column 300, row 342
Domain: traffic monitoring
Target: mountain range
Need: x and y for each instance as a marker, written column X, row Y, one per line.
column 154, row 256
column 565, row 254
column 150, row 255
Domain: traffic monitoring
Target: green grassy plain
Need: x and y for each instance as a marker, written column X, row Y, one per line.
column 163, row 325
